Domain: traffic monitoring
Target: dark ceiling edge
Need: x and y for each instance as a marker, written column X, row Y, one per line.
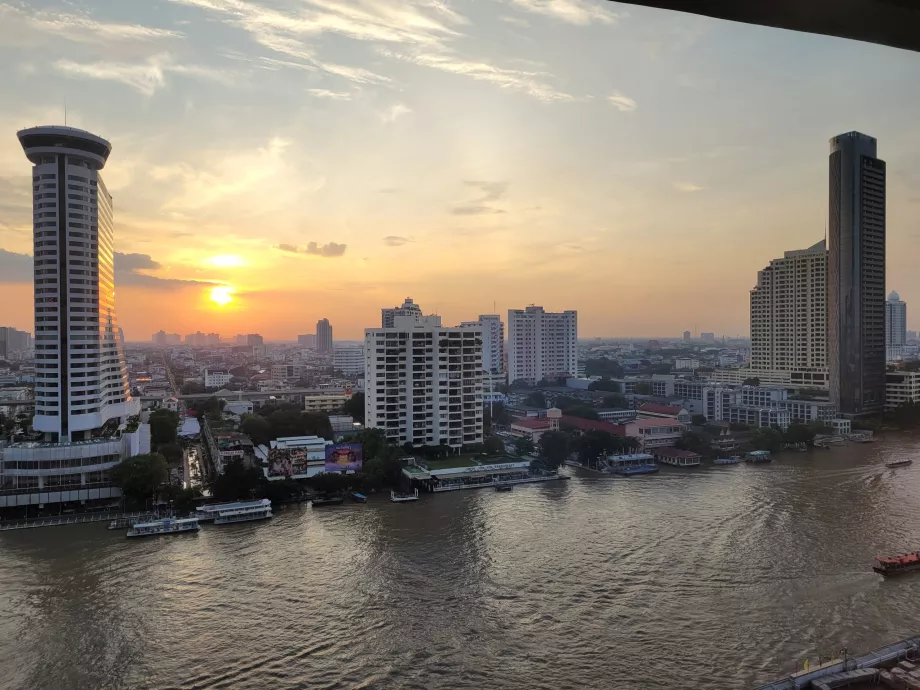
column 893, row 23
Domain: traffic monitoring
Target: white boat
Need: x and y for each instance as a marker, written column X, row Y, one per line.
column 261, row 510
column 733, row 460
column 212, row 511
column 403, row 498
column 164, row 526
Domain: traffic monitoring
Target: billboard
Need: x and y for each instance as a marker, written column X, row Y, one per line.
column 343, row 456
column 284, row 462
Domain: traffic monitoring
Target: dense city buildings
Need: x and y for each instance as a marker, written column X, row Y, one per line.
column 856, row 275
column 423, row 382
column 348, row 359
column 323, row 336
column 82, row 395
column 789, row 317
column 13, row 341
column 307, row 340
column 408, row 308
column 708, row 337
column 895, row 327
column 254, row 340
column 541, row 345
column 686, row 336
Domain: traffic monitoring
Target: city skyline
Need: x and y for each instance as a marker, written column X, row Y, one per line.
column 269, row 163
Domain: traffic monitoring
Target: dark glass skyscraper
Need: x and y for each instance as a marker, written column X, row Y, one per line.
column 856, row 275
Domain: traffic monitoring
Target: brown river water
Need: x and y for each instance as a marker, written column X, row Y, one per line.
column 709, row 578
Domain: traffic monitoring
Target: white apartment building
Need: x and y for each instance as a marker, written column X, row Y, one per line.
column 288, row 373
column 493, row 342
column 348, row 360
column 216, row 378
column 541, row 344
column 82, row 395
column 423, row 382
column 686, row 363
column 408, row 308
column 895, row 327
column 789, row 316
column 901, row 388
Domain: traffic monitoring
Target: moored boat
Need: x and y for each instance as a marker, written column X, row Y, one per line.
column 164, row 526
column 899, row 463
column 504, row 487
column 733, row 460
column 403, row 498
column 758, row 456
column 358, row 498
column 895, row 565
column 212, row 511
column 327, row 501
column 257, row 510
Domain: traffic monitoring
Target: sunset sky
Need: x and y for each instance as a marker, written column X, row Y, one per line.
column 326, row 158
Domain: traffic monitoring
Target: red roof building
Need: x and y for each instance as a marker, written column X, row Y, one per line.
column 593, row 425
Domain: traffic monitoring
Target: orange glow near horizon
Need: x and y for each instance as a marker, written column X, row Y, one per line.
column 222, row 295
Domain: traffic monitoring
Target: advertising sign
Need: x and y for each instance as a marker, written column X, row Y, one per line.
column 283, row 462
column 344, row 456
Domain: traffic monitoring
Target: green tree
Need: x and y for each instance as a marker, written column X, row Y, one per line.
column 318, row 424
column 140, row 477
column 594, row 445
column 524, row 446
column 606, row 385
column 698, row 419
column 738, row 426
column 164, row 427
column 615, row 401
column 752, row 381
column 643, row 388
column 603, row 367
column 536, row 399
column 767, row 438
column 583, row 411
column 192, row 388
column 694, row 442
column 211, row 408
column 331, row 483
column 257, row 428
column 493, row 445
column 799, row 433
column 287, row 423
column 554, row 449
column 355, row 407
column 237, row 482
column 184, row 500
column 373, row 442
column 173, row 453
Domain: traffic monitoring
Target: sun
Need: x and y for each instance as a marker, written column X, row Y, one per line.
column 222, row 295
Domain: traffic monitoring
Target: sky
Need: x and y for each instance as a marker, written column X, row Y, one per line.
column 280, row 161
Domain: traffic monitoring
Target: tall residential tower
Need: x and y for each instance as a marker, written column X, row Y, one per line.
column 895, row 327
column 856, row 275
column 541, row 344
column 323, row 336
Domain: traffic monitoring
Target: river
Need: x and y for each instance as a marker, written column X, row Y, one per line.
column 709, row 578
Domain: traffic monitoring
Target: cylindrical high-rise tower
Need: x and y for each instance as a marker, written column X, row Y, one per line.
column 81, row 381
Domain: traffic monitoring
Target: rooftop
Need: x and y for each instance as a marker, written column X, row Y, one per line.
column 655, row 408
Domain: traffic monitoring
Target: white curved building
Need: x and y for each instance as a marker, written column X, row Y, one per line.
column 82, row 396
column 81, row 379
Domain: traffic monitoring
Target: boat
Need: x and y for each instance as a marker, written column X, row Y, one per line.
column 504, row 487
column 733, row 460
column 164, row 526
column 899, row 463
column 124, row 521
column 211, row 511
column 631, row 465
column 327, row 501
column 895, row 565
column 358, row 498
column 256, row 510
column 403, row 498
column 758, row 456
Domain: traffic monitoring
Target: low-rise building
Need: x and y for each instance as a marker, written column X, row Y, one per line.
column 325, row 402
column 616, row 416
column 348, row 360
column 656, row 411
column 652, row 433
column 686, row 363
column 901, row 388
column 216, row 378
column 533, row 428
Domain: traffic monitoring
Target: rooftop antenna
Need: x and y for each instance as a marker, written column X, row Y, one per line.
column 65, row 111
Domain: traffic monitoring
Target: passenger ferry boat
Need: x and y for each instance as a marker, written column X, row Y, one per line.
column 164, row 526
column 501, row 486
column 758, row 456
column 733, row 460
column 899, row 463
column 260, row 510
column 403, row 498
column 631, row 465
column 212, row 511
column 895, row 565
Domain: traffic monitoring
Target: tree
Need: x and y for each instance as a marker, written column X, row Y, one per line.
column 287, row 423
column 606, row 385
column 554, row 449
column 698, row 420
column 582, row 411
column 694, row 442
column 211, row 408
column 603, row 367
column 330, row 482
column 738, row 426
column 493, row 445
column 257, row 428
column 767, row 438
column 236, row 482
column 535, row 399
column 172, row 452
column 752, row 381
column 594, row 445
column 164, row 427
column 318, row 424
column 643, row 388
column 241, row 372
column 192, row 388
column 615, row 401
column 355, row 407
column 140, row 477
column 373, row 443
column 524, row 446
column 799, row 433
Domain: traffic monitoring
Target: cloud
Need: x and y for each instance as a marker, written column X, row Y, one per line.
column 580, row 12
column 127, row 267
column 530, row 83
column 492, row 191
column 394, row 112
column 146, row 77
column 331, row 95
column 516, row 21
column 624, row 104
column 329, row 251
column 396, row 240
column 77, row 27
column 473, row 210
column 687, row 187
column 15, row 268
